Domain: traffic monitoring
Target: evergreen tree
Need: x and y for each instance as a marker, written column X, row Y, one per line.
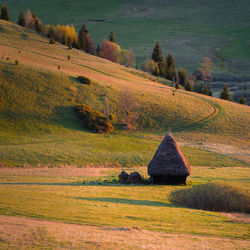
column 206, row 89
column 242, row 100
column 38, row 25
column 112, row 37
column 225, row 94
column 156, row 71
column 171, row 71
column 85, row 41
column 182, row 77
column 163, row 68
column 98, row 50
column 5, row 13
column 159, row 59
column 21, row 19
column 52, row 37
column 157, row 53
column 188, row 86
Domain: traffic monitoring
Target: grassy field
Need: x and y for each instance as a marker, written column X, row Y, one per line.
column 42, row 128
column 84, row 196
column 50, row 198
column 188, row 30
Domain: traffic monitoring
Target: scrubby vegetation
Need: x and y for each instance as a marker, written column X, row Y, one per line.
column 215, row 196
column 93, row 119
column 84, row 80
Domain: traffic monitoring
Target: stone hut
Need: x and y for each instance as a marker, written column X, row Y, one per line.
column 169, row 165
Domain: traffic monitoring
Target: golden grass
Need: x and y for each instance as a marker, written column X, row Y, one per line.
column 20, row 232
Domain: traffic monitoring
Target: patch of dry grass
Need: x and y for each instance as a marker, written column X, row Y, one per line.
column 214, row 196
column 20, row 232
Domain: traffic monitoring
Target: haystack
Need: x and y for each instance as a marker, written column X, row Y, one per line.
column 169, row 165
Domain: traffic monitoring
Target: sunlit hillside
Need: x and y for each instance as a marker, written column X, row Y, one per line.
column 37, row 99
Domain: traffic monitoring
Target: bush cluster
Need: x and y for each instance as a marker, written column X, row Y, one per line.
column 84, row 80
column 214, row 196
column 93, row 119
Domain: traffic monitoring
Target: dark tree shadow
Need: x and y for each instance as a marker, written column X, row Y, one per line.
column 127, row 201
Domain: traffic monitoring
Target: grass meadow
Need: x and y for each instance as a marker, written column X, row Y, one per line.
column 58, row 181
column 42, row 128
column 90, row 197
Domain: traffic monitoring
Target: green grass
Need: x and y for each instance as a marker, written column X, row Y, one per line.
column 39, row 125
column 188, row 30
column 146, row 207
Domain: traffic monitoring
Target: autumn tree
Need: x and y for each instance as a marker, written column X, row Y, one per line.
column 4, row 13
column 171, row 70
column 129, row 108
column 112, row 37
column 110, row 51
column 225, row 94
column 29, row 20
column 127, row 57
column 150, row 66
column 206, row 68
column 21, row 19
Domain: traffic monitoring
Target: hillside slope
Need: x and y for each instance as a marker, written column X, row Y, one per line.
column 188, row 29
column 39, row 126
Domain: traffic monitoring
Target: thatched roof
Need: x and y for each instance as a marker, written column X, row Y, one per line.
column 168, row 160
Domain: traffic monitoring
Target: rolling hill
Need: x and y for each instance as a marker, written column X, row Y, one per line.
column 39, row 125
column 187, row 29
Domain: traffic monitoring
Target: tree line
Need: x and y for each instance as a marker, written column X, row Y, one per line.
column 67, row 35
column 157, row 65
column 198, row 82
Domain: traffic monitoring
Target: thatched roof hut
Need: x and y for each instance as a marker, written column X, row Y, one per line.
column 169, row 165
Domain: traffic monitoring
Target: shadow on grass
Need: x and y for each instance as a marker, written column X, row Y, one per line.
column 126, row 201
column 83, row 183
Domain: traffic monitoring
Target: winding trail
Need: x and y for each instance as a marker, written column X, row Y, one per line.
column 193, row 125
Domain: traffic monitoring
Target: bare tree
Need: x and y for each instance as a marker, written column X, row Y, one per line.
column 129, row 107
column 206, row 68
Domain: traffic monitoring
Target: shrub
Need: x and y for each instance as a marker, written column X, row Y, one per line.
column 214, row 196
column 93, row 119
column 58, row 67
column 68, row 58
column 84, row 80
column 16, row 62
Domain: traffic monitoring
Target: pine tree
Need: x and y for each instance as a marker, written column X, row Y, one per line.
column 159, row 59
column 242, row 100
column 5, row 13
column 112, row 37
column 21, row 19
column 188, row 86
column 52, row 37
column 85, row 41
column 157, row 53
column 98, row 50
column 171, row 71
column 225, row 94
column 38, row 25
column 182, row 77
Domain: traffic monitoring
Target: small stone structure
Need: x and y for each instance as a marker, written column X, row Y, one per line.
column 169, row 165
column 123, row 177
column 133, row 178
